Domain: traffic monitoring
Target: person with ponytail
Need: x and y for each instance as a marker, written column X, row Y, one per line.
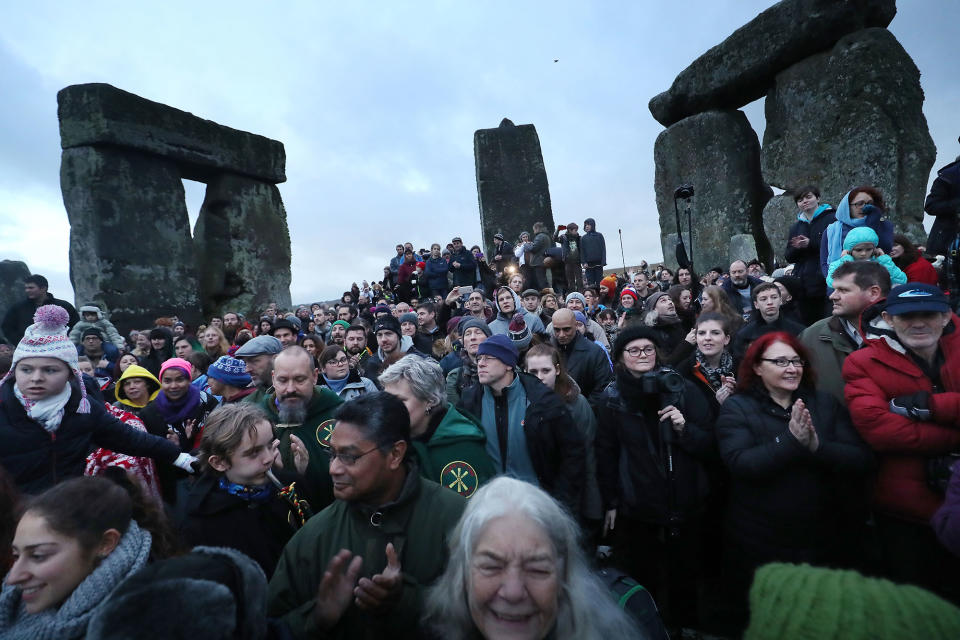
column 74, row 544
column 47, row 423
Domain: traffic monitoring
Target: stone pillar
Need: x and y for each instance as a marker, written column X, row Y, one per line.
column 511, row 182
column 130, row 245
column 242, row 245
column 719, row 154
column 853, row 116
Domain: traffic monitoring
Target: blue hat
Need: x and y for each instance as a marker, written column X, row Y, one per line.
column 230, row 371
column 500, row 347
column 860, row 234
column 579, row 317
column 916, row 296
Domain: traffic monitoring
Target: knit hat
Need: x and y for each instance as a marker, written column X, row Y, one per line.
column 47, row 338
column 579, row 317
column 519, row 333
column 610, row 282
column 652, row 300
column 91, row 331
column 176, row 363
column 409, row 316
column 498, row 236
column 500, row 347
column 860, row 234
column 284, row 323
column 230, row 371
column 387, row 323
column 474, row 323
column 578, row 296
column 453, row 324
column 630, row 333
column 342, row 323
column 800, row 601
column 627, row 291
column 421, row 265
column 381, row 308
column 258, row 346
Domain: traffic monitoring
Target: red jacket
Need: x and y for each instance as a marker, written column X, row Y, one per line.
column 880, row 372
column 920, row 270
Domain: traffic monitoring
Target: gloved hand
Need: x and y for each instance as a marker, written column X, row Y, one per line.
column 915, row 406
column 185, row 461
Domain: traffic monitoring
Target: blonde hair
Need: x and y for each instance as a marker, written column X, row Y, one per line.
column 225, row 429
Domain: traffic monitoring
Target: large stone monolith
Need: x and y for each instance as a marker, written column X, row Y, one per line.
column 511, row 181
column 130, row 248
column 741, row 68
column 12, row 275
column 243, row 246
column 719, row 154
column 849, row 117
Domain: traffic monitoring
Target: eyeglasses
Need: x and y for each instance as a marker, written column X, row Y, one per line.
column 485, row 357
column 861, row 203
column 636, row 351
column 338, row 361
column 347, row 459
column 784, row 362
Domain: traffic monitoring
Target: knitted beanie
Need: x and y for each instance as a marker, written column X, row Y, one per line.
column 47, row 338
column 342, row 323
column 381, row 308
column 500, row 347
column 860, row 234
column 231, row 371
column 409, row 316
column 453, row 324
column 578, row 296
column 387, row 323
column 630, row 333
column 651, row 302
column 519, row 332
column 800, row 601
column 627, row 291
column 91, row 331
column 610, row 282
column 176, row 363
column 579, row 317
column 475, row 323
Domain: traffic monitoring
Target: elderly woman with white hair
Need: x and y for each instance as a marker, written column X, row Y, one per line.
column 450, row 446
column 516, row 570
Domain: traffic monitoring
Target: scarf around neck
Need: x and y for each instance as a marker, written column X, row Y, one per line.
column 176, row 412
column 715, row 375
column 69, row 621
column 336, row 385
column 47, row 411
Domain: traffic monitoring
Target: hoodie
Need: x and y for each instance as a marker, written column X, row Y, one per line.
column 136, row 371
column 454, row 453
column 831, row 244
column 593, row 248
column 501, row 324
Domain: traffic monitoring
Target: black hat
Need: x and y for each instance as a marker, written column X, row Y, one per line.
column 916, row 296
column 387, row 323
column 633, row 332
column 498, row 236
column 91, row 331
column 284, row 323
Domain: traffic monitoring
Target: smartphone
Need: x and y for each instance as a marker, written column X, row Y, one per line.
column 465, row 291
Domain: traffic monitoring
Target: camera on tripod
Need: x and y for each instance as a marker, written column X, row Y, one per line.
column 666, row 383
column 684, row 191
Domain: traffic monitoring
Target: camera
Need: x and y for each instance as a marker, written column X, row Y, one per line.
column 684, row 191
column 666, row 383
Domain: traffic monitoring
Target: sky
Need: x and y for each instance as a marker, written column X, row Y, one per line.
column 377, row 102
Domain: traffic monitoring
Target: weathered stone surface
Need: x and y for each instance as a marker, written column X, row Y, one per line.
column 12, row 275
column 778, row 215
column 719, row 154
column 130, row 247
column 92, row 114
column 740, row 69
column 511, row 181
column 743, row 246
column 243, row 246
column 849, row 117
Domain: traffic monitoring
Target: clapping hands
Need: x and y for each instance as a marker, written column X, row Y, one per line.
column 801, row 426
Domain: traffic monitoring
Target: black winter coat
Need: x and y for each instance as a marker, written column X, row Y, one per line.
column 632, row 454
column 555, row 444
column 806, row 260
column 758, row 327
column 593, row 248
column 20, row 316
column 215, row 518
column 673, row 343
column 943, row 202
column 785, row 502
column 37, row 459
column 588, row 365
column 466, row 273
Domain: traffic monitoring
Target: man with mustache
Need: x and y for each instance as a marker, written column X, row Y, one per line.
column 298, row 407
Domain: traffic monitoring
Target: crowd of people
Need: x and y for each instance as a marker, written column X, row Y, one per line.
column 472, row 446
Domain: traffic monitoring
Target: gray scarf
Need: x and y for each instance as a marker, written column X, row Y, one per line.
column 70, row 620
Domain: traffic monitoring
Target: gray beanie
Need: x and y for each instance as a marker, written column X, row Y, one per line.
column 476, row 323
column 652, row 300
column 578, row 296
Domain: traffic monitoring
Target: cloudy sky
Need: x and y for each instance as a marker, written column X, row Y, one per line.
column 377, row 102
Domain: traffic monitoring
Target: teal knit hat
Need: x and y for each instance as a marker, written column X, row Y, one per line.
column 800, row 601
column 860, row 234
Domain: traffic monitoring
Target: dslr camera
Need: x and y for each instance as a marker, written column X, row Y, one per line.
column 666, row 383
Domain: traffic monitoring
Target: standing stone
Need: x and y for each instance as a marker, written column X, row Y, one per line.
column 243, row 246
column 778, row 215
column 130, row 248
column 743, row 246
column 511, row 182
column 12, row 275
column 719, row 154
column 741, row 68
column 850, row 117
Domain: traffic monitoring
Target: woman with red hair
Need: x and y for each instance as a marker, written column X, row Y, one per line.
column 793, row 457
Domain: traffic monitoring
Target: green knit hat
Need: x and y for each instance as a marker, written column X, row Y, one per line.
column 800, row 601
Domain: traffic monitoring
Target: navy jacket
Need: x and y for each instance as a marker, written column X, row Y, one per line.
column 593, row 248
column 806, row 260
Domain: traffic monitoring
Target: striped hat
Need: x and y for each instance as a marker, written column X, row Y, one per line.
column 47, row 338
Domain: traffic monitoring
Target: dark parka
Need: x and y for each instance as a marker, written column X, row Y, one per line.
column 555, row 444
column 466, row 274
column 37, row 459
column 505, row 251
column 806, row 260
column 758, row 327
column 587, row 363
column 435, row 272
column 593, row 248
column 20, row 316
column 785, row 502
column 632, row 458
column 943, row 203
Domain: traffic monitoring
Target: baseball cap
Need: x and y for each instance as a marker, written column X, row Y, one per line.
column 916, row 296
column 259, row 346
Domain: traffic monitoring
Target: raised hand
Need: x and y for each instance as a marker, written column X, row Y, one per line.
column 301, row 457
column 335, row 592
column 797, row 424
column 382, row 590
